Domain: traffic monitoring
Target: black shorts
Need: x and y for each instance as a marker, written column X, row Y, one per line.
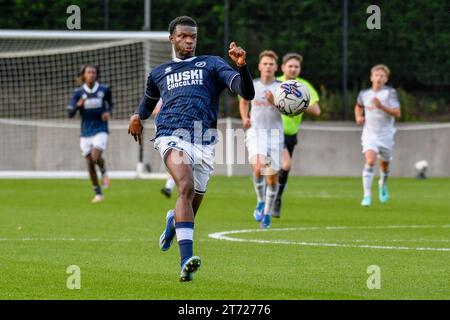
column 290, row 143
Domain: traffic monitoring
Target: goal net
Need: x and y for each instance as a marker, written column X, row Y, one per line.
column 37, row 79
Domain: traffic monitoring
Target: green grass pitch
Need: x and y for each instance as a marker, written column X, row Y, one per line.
column 48, row 225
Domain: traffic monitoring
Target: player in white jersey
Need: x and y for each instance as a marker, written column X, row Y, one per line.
column 376, row 109
column 264, row 136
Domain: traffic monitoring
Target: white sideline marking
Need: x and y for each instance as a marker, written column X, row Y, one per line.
column 72, row 239
column 204, row 240
column 22, row 174
column 223, row 236
column 316, row 242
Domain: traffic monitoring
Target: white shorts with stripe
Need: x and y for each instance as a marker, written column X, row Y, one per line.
column 98, row 141
column 200, row 157
column 382, row 147
column 266, row 142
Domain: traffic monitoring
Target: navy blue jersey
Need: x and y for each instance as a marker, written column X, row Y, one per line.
column 97, row 101
column 190, row 92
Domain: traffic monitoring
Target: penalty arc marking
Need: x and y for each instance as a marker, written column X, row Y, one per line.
column 226, row 235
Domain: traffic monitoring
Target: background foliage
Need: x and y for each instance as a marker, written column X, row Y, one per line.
column 414, row 40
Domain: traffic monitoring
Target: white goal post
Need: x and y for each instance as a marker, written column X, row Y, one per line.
column 37, row 79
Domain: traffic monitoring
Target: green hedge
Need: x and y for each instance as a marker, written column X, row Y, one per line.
column 414, row 40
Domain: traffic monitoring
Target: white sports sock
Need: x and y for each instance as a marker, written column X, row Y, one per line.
column 170, row 183
column 384, row 177
column 367, row 176
column 184, row 232
column 260, row 188
column 271, row 194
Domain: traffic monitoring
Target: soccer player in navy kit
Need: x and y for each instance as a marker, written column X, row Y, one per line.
column 94, row 101
column 185, row 127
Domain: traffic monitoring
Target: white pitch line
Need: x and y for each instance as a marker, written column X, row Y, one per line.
column 83, row 240
column 388, row 240
column 202, row 240
column 73, row 239
column 223, row 236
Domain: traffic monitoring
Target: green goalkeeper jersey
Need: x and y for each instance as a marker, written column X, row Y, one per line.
column 291, row 125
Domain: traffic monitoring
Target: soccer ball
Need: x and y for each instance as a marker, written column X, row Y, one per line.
column 421, row 167
column 292, row 98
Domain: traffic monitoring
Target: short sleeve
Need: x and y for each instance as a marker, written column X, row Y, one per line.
column 393, row 99
column 313, row 95
column 359, row 100
column 151, row 90
column 225, row 73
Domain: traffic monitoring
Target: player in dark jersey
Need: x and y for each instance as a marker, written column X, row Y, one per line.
column 94, row 101
column 186, row 125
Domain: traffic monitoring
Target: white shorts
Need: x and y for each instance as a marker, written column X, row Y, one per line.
column 99, row 141
column 383, row 152
column 266, row 142
column 200, row 157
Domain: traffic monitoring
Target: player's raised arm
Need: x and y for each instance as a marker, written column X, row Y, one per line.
column 242, row 85
column 237, row 54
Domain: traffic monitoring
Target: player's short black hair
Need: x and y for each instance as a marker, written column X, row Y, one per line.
column 182, row 21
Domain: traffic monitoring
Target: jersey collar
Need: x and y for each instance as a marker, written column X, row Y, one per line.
column 185, row 60
column 89, row 90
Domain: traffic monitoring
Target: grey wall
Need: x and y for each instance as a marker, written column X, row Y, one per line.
column 338, row 153
column 325, row 149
